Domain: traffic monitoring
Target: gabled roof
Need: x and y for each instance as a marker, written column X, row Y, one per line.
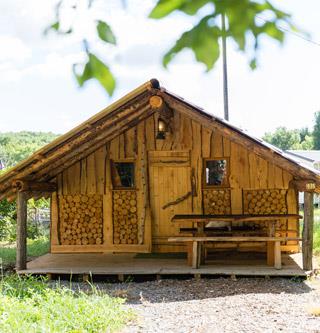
column 312, row 156
column 78, row 143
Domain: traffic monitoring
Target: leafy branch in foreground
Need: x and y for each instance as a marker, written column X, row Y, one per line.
column 246, row 24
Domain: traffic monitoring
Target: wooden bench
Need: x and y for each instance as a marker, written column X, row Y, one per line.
column 197, row 241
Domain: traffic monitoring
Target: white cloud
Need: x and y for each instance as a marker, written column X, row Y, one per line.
column 14, row 50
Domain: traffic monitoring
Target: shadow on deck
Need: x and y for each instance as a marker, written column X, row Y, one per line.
column 219, row 264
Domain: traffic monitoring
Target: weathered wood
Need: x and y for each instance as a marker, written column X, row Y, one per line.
column 307, row 185
column 32, row 186
column 307, row 233
column 277, row 255
column 156, row 102
column 233, row 217
column 143, row 200
column 21, row 260
column 129, row 264
column 195, row 257
column 230, row 239
column 54, row 215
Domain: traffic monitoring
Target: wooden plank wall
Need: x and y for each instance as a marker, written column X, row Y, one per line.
column 247, row 170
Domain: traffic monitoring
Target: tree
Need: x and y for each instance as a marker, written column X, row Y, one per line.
column 285, row 139
column 316, row 131
column 15, row 147
column 246, row 25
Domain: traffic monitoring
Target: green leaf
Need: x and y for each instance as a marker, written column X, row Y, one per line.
column 95, row 68
column 84, row 76
column 105, row 33
column 102, row 73
column 165, row 7
column 271, row 29
column 191, row 7
column 253, row 64
column 203, row 40
column 54, row 26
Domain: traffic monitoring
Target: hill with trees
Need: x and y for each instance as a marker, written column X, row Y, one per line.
column 296, row 139
column 16, row 146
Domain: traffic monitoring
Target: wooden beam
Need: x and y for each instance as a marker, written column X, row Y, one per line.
column 21, row 259
column 156, row 102
column 32, row 186
column 305, row 185
column 307, row 233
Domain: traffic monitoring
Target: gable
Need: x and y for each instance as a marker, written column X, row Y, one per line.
column 117, row 124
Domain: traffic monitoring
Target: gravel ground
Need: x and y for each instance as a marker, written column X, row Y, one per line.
column 224, row 305
column 220, row 305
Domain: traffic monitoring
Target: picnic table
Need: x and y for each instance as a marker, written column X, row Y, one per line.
column 199, row 237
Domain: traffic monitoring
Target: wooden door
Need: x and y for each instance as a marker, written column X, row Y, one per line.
column 170, row 182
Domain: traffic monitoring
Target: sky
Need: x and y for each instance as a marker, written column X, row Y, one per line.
column 39, row 93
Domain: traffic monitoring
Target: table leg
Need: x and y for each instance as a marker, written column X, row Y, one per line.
column 195, row 255
column 189, row 253
column 270, row 245
column 277, row 255
column 270, row 253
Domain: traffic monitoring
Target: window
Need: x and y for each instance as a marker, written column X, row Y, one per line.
column 123, row 174
column 216, row 172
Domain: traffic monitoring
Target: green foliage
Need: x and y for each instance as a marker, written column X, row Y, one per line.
column 30, row 305
column 15, row 147
column 105, row 33
column 35, row 248
column 285, row 139
column 7, row 220
column 202, row 40
column 245, row 26
column 316, row 131
column 95, row 68
column 316, row 238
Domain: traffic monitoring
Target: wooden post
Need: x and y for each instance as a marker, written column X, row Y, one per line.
column 277, row 255
column 195, row 256
column 307, row 232
column 21, row 260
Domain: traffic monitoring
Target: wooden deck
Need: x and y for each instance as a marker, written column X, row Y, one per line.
column 245, row 264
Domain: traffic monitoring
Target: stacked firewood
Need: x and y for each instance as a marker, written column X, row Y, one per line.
column 265, row 201
column 81, row 220
column 216, row 201
column 125, row 220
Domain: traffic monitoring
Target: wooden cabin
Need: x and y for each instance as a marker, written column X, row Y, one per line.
column 117, row 181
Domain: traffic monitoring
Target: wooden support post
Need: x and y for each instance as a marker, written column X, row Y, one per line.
column 307, row 233
column 21, row 260
column 195, row 256
column 121, row 277
column 277, row 255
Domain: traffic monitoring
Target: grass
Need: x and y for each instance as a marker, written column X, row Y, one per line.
column 316, row 238
column 31, row 305
column 35, row 248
